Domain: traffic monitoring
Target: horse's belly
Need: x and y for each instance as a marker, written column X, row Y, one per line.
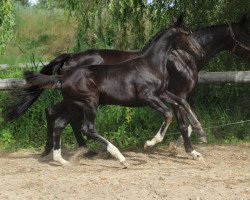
column 119, row 98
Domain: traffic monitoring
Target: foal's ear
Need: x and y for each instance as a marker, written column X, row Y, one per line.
column 178, row 21
column 243, row 21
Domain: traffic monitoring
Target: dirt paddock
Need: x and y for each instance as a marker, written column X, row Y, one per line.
column 224, row 173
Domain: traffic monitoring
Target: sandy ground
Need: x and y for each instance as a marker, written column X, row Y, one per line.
column 224, row 173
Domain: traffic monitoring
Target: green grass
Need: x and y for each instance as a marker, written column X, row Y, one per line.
column 39, row 33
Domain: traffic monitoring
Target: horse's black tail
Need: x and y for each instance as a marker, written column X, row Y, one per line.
column 39, row 80
column 22, row 99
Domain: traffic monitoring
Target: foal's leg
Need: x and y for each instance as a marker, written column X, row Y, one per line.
column 89, row 129
column 49, row 143
column 76, row 125
column 185, row 133
column 168, row 97
column 158, row 105
column 51, row 115
column 60, row 123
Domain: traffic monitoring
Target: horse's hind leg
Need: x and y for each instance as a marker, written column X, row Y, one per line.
column 51, row 114
column 185, row 133
column 89, row 129
column 60, row 124
column 76, row 125
column 49, row 143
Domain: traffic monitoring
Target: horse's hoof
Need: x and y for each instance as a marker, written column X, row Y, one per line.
column 172, row 146
column 66, row 164
column 124, row 164
column 195, row 154
column 90, row 154
column 200, row 158
column 203, row 139
column 45, row 153
column 146, row 145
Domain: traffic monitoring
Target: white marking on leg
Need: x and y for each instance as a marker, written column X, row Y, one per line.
column 158, row 137
column 189, row 130
column 179, row 141
column 195, row 154
column 57, row 156
column 115, row 152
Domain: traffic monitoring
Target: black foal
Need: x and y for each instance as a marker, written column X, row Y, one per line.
column 141, row 81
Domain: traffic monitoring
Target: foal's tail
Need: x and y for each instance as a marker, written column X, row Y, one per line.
column 41, row 81
column 22, row 99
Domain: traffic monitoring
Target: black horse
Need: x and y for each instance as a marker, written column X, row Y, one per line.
column 88, row 57
column 183, row 68
column 141, row 81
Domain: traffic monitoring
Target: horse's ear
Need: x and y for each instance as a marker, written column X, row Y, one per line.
column 178, row 21
column 243, row 21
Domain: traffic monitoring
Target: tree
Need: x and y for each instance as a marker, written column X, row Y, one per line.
column 23, row 2
column 6, row 23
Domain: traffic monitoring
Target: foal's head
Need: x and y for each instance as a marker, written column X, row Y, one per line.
column 184, row 39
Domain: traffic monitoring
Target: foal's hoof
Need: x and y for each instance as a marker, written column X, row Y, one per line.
column 196, row 155
column 124, row 164
column 66, row 164
column 203, row 139
column 147, row 144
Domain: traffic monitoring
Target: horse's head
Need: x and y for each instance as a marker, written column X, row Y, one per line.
column 184, row 39
column 240, row 35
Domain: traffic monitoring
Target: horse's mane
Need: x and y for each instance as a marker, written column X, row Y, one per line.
column 210, row 27
column 154, row 38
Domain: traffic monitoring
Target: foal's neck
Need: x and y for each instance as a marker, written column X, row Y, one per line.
column 157, row 53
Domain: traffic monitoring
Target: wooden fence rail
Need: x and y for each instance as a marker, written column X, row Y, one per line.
column 204, row 78
column 224, row 77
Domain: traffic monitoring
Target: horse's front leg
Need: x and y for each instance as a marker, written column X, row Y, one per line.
column 176, row 143
column 201, row 134
column 168, row 97
column 158, row 105
column 185, row 132
column 159, row 135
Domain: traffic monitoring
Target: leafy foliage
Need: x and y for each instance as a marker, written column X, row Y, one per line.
column 6, row 23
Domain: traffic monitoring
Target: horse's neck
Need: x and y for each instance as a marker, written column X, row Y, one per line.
column 213, row 40
column 158, row 52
